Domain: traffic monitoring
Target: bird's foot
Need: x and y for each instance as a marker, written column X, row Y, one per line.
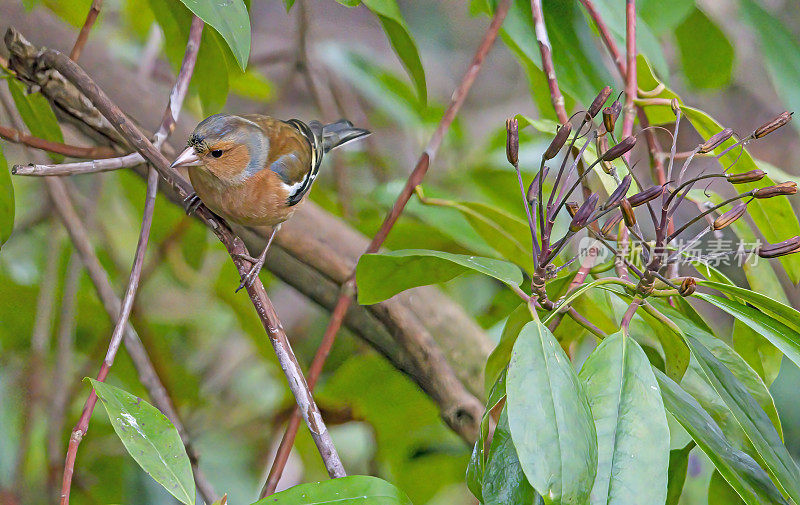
column 250, row 276
column 192, row 203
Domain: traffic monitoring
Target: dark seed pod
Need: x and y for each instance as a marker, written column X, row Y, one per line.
column 512, row 141
column 583, row 214
column 619, row 193
column 602, row 147
column 715, row 141
column 729, row 217
column 610, row 115
column 627, row 213
column 572, row 208
column 688, row 286
column 770, row 126
column 558, row 141
column 599, row 100
column 610, row 224
column 784, row 188
column 621, row 148
column 780, row 249
column 533, row 189
column 645, row 196
column 751, row 176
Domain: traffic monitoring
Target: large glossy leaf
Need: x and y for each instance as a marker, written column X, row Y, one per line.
column 749, row 480
column 35, row 111
column 504, row 481
column 776, row 43
column 381, row 276
column 774, row 217
column 507, row 234
column 550, row 419
column 230, row 19
column 352, row 490
column 781, row 336
column 476, row 468
column 6, row 200
column 706, row 54
column 150, row 438
column 751, row 417
column 631, row 424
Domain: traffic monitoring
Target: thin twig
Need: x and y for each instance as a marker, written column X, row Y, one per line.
column 414, row 179
column 71, row 151
column 83, row 36
column 630, row 75
column 81, row 167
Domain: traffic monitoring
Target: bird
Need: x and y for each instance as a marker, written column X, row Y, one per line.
column 254, row 170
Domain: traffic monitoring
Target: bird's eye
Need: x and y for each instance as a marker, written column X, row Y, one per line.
column 216, row 153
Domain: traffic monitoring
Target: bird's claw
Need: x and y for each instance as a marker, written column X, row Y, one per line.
column 192, row 203
column 250, row 276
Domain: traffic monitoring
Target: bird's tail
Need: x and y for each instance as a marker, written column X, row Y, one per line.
column 339, row 133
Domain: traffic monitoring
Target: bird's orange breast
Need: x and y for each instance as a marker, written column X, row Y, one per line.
column 258, row 201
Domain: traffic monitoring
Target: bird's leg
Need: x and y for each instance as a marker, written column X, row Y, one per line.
column 257, row 263
column 192, row 202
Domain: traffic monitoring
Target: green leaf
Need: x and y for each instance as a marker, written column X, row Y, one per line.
column 678, row 465
column 230, row 19
column 504, row 481
column 35, row 111
column 476, row 468
column 507, row 234
column 751, row 417
column 6, row 200
column 749, row 480
column 721, row 493
column 150, row 438
column 288, row 4
column 631, row 424
column 662, row 16
column 550, row 419
column 352, row 490
column 501, row 354
column 784, row 313
column 706, row 54
column 776, row 42
column 402, row 42
column 381, row 276
column 781, row 336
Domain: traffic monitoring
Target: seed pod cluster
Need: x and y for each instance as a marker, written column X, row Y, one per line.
column 715, row 141
column 688, row 287
column 645, row 196
column 599, row 101
column 789, row 246
column 770, row 126
column 512, row 141
column 558, row 141
column 751, row 176
column 784, row 188
column 622, row 147
column 727, row 218
column 584, row 213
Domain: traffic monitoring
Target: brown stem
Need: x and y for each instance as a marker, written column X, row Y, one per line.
column 421, row 168
column 548, row 68
column 630, row 74
column 83, row 36
column 81, row 167
column 606, row 36
column 233, row 244
column 71, row 151
column 626, row 318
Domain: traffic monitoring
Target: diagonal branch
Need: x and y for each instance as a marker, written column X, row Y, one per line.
column 547, row 61
column 349, row 287
column 630, row 77
column 83, row 36
column 19, row 137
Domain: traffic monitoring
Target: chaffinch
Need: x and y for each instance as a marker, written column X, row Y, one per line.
column 253, row 169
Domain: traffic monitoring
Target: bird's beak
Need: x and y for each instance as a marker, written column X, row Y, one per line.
column 188, row 158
